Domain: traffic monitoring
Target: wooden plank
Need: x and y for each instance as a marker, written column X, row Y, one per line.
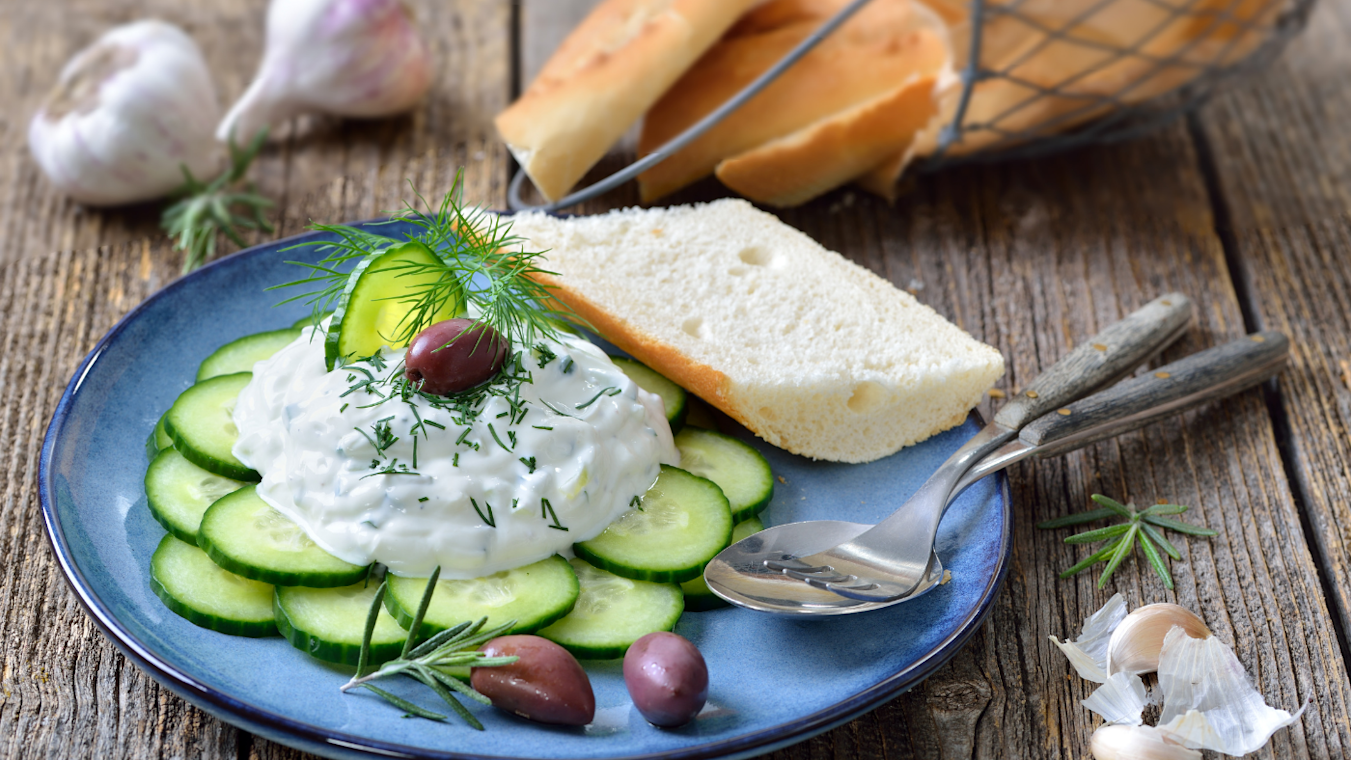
column 451, row 127
column 1032, row 257
column 64, row 690
column 1283, row 166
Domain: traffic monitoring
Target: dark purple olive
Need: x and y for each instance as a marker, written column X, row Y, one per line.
column 547, row 684
column 667, row 678
column 449, row 357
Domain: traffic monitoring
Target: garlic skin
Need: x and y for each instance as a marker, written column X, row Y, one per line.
column 1138, row 639
column 1121, row 700
column 1137, row 743
column 357, row 58
column 1088, row 653
column 126, row 114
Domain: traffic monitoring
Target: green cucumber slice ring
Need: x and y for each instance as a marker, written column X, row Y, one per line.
column 329, row 623
column 179, row 493
column 738, row 469
column 246, row 536
column 682, row 523
column 202, row 425
column 240, row 355
column 193, row 586
column 613, row 612
column 534, row 596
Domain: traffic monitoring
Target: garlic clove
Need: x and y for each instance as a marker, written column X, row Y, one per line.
column 1208, row 702
column 1088, row 653
column 127, row 113
column 1135, row 644
column 356, row 58
column 1137, row 743
column 1120, row 700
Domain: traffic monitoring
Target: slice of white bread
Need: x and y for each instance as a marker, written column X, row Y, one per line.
column 813, row 353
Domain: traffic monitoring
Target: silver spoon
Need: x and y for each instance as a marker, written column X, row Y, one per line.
column 749, row 573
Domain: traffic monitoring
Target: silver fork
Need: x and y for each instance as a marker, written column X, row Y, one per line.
column 746, row 574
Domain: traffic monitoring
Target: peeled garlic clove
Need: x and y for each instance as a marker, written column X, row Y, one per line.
column 126, row 114
column 359, row 58
column 1137, row 743
column 1136, row 642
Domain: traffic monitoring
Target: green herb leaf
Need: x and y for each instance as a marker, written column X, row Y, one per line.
column 1179, row 526
column 1112, row 504
column 1100, row 534
column 372, row 618
column 1076, row 519
column 1165, row 509
column 416, row 627
column 1100, row 555
column 404, row 704
column 1123, row 550
column 1157, row 536
column 1152, row 555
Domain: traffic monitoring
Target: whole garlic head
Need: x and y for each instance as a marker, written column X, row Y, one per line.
column 1137, row 641
column 126, row 114
column 358, row 58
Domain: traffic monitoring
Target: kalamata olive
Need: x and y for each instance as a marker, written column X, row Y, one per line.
column 667, row 678
column 449, row 357
column 547, row 684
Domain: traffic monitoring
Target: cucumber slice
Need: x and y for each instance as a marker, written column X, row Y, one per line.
column 672, row 395
column 202, row 428
column 380, row 298
column 698, row 596
column 179, row 492
column 308, row 320
column 683, row 523
column 158, row 440
column 737, row 468
column 240, row 355
column 193, row 586
column 534, row 596
column 329, row 623
column 613, row 612
column 246, row 536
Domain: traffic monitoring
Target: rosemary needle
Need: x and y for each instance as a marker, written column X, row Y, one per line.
column 454, row 647
column 1140, row 527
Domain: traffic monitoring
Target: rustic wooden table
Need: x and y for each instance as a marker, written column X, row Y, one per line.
column 1244, row 206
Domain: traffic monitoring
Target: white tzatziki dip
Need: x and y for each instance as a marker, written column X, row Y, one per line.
column 569, row 447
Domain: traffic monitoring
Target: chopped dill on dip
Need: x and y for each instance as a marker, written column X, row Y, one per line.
column 547, row 454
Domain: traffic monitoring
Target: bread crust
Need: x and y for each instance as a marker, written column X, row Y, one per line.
column 610, row 70
column 799, row 167
column 885, row 44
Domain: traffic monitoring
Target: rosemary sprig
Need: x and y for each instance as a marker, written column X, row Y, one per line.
column 481, row 262
column 454, row 647
column 1139, row 527
column 208, row 208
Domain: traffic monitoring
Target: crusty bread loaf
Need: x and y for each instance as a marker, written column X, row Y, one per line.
column 815, row 354
column 883, row 46
column 609, row 70
column 796, row 168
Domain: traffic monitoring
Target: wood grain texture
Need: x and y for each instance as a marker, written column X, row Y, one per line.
column 1283, row 162
column 1031, row 257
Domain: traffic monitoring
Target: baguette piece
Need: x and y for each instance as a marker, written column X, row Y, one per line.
column 609, row 70
column 796, row 168
column 811, row 352
column 884, row 45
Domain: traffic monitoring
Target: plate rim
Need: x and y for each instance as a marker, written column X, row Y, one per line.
column 321, row 740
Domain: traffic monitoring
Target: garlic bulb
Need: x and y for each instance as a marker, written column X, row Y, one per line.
column 1137, row 641
column 1137, row 743
column 126, row 114
column 361, row 58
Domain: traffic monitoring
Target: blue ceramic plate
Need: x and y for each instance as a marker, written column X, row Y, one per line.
column 775, row 681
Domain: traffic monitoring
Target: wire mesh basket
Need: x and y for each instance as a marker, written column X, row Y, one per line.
column 1035, row 77
column 1162, row 74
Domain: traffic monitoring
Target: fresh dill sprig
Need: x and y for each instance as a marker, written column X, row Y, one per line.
column 480, row 261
